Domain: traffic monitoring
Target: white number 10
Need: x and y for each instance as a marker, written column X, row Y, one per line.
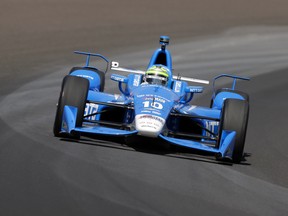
column 154, row 104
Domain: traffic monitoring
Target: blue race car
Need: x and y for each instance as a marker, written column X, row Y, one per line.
column 153, row 104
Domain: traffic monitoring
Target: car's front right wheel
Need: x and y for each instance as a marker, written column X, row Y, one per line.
column 74, row 92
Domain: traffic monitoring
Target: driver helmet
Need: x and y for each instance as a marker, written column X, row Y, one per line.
column 157, row 74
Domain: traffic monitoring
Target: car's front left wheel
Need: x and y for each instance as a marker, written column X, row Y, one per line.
column 235, row 114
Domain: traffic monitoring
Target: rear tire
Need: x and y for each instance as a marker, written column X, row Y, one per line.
column 74, row 92
column 235, row 114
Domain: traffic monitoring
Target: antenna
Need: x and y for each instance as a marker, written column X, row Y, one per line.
column 164, row 41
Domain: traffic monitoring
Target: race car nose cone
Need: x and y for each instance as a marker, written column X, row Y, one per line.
column 149, row 125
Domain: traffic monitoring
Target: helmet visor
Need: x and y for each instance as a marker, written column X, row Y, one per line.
column 156, row 80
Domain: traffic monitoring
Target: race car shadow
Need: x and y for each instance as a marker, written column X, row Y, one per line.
column 161, row 147
column 244, row 159
column 154, row 146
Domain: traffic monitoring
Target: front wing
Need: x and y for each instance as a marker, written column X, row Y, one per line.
column 225, row 149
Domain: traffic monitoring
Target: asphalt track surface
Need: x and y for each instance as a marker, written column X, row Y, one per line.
column 43, row 175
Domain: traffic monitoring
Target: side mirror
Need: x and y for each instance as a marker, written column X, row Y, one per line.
column 194, row 89
column 119, row 78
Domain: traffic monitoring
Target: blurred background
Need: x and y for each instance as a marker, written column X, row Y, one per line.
column 40, row 33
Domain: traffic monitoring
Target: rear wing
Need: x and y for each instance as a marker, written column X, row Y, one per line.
column 116, row 66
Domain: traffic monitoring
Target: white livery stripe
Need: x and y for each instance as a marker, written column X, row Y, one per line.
column 191, row 80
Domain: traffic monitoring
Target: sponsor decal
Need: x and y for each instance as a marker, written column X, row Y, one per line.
column 139, row 96
column 91, row 108
column 178, row 85
column 149, row 123
column 152, row 117
column 153, row 98
column 136, row 81
column 196, row 90
column 117, row 78
column 86, row 76
column 211, row 126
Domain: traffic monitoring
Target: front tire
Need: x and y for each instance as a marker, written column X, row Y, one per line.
column 235, row 114
column 74, row 92
column 242, row 94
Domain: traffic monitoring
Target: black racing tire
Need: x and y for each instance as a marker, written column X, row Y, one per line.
column 243, row 94
column 74, row 92
column 235, row 115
